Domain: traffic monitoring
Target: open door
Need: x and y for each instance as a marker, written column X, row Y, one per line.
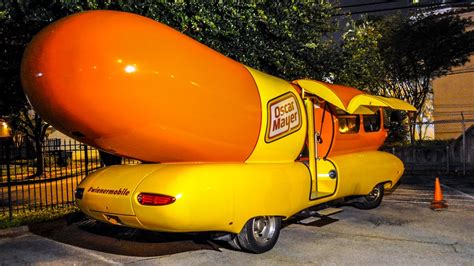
column 349, row 104
column 323, row 171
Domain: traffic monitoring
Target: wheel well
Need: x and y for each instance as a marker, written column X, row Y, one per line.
column 387, row 184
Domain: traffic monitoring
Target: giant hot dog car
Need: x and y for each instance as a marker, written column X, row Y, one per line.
column 227, row 148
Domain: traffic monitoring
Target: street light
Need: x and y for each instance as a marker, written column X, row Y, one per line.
column 5, row 131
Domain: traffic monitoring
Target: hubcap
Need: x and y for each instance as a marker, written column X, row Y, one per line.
column 374, row 194
column 263, row 228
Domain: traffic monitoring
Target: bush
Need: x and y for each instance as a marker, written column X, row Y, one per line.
column 29, row 217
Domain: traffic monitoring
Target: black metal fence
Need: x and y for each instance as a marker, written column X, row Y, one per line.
column 435, row 158
column 454, row 156
column 24, row 186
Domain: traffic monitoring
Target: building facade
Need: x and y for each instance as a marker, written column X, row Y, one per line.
column 453, row 100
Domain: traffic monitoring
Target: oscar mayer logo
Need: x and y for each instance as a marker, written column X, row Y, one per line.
column 284, row 117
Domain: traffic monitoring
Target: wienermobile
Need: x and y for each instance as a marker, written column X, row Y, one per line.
column 226, row 148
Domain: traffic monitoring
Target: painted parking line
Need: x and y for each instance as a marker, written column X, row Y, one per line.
column 413, row 194
column 458, row 191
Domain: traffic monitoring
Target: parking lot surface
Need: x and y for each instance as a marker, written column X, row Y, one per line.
column 403, row 230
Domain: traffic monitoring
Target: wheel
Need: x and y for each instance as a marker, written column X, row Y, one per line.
column 260, row 234
column 372, row 200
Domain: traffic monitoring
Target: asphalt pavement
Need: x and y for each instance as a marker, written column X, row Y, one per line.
column 402, row 231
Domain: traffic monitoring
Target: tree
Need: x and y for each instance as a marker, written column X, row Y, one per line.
column 286, row 39
column 18, row 27
column 362, row 64
column 406, row 53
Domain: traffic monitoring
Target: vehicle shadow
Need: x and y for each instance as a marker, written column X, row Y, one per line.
column 80, row 231
column 316, row 221
column 89, row 234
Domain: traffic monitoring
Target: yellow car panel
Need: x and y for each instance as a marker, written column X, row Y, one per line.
column 282, row 132
column 322, row 91
column 397, row 104
column 223, row 198
column 111, row 188
column 226, row 196
column 365, row 100
column 378, row 167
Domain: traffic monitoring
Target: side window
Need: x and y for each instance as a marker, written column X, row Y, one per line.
column 348, row 123
column 372, row 122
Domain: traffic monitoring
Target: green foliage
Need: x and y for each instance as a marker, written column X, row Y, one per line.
column 398, row 129
column 363, row 66
column 19, row 25
column 20, row 20
column 29, row 217
column 426, row 46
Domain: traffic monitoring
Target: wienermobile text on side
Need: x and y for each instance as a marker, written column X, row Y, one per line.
column 134, row 87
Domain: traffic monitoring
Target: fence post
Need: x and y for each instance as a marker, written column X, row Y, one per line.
column 86, row 159
column 463, row 144
column 9, row 182
column 447, row 158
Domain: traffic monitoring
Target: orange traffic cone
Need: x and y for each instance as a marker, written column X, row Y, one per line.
column 438, row 202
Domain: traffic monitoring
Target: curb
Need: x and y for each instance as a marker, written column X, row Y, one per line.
column 14, row 231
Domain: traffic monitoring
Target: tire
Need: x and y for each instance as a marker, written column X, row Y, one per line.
column 260, row 234
column 234, row 243
column 372, row 200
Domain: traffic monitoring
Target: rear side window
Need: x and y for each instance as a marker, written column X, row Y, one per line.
column 348, row 123
column 372, row 122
